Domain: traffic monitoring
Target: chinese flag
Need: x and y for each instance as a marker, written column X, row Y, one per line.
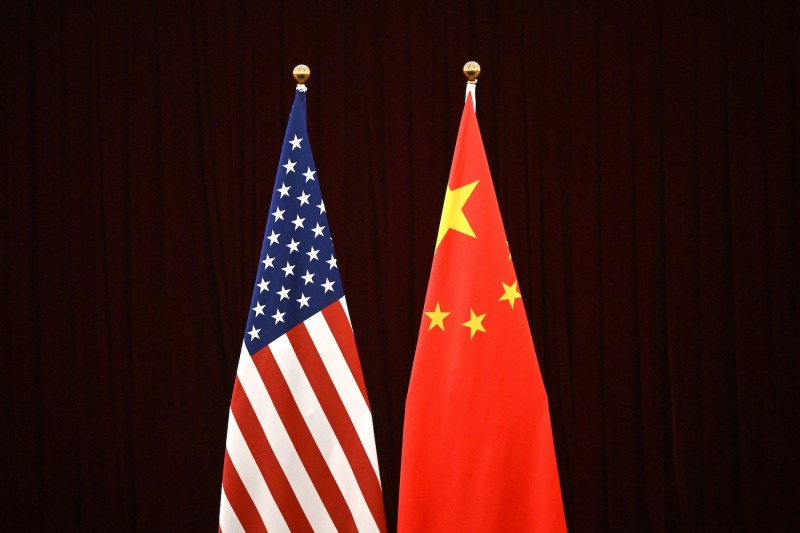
column 477, row 445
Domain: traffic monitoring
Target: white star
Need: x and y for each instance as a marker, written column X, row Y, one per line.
column 253, row 333
column 298, row 222
column 309, row 277
column 278, row 316
column 332, row 262
column 284, row 190
column 304, row 198
column 273, row 238
column 268, row 261
column 278, row 214
column 309, row 174
column 284, row 292
column 288, row 270
column 295, row 142
column 321, row 206
column 289, row 166
column 312, row 254
column 259, row 309
column 292, row 246
column 303, row 300
column 328, row 285
column 318, row 230
column 263, row 286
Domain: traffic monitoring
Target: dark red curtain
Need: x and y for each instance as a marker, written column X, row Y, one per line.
column 646, row 159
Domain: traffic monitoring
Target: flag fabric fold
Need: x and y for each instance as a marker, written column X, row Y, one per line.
column 300, row 452
column 478, row 451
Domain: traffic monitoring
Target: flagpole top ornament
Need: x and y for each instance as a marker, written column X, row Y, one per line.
column 472, row 70
column 301, row 73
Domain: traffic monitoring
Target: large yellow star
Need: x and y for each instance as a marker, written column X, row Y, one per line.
column 437, row 317
column 453, row 215
column 475, row 323
column 510, row 293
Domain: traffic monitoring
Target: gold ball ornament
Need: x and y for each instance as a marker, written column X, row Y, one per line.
column 472, row 70
column 301, row 73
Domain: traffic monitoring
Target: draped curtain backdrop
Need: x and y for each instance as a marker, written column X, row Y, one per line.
column 645, row 155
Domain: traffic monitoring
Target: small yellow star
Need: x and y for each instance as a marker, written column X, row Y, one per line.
column 437, row 317
column 510, row 293
column 475, row 323
column 453, row 212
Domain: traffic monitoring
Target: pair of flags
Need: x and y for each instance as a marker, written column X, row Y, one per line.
column 477, row 446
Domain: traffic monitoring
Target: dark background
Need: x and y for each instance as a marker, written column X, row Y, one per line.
column 645, row 155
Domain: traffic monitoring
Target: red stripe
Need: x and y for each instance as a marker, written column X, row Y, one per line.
column 303, row 441
column 268, row 464
column 340, row 421
column 240, row 499
column 343, row 333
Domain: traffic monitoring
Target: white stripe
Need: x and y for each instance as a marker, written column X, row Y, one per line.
column 228, row 521
column 345, row 384
column 251, row 477
column 346, row 310
column 322, row 432
column 282, row 445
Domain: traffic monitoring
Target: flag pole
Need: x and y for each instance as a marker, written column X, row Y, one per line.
column 472, row 70
column 301, row 73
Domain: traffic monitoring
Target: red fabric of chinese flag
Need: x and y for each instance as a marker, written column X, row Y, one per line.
column 477, row 445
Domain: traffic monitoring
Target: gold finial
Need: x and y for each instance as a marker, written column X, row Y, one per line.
column 472, row 70
column 301, row 73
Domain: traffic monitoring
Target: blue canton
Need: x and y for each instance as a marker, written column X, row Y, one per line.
column 297, row 274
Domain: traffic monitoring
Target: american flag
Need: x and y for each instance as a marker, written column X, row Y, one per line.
column 300, row 452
